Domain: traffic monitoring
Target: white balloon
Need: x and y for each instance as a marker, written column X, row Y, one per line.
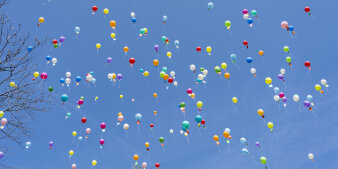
column 171, row 131
column 192, row 67
column 296, row 97
column 110, row 76
column 132, row 14
column 54, row 60
column 68, row 74
column 172, row 74
column 205, row 72
column 181, row 132
column 323, row 82
column 282, row 71
column 200, row 76
column 276, row 98
column 311, row 156
column 67, row 81
column 175, row 83
column 253, row 70
column 89, row 77
column 126, row 126
column 246, row 16
column 227, row 129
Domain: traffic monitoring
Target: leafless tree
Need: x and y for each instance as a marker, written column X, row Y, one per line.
column 21, row 102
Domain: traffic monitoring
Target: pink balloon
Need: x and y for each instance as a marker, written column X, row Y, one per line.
column 101, row 141
column 103, row 125
column 43, row 75
column 284, row 25
column 189, row 91
column 73, row 166
column 88, row 130
column 120, row 118
column 245, row 11
column 80, row 102
column 3, row 121
column 144, row 165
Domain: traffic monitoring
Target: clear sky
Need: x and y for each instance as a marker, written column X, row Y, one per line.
column 295, row 133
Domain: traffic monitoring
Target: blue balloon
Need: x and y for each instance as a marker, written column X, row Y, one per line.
column 198, row 118
column 141, row 70
column 199, row 80
column 62, row 80
column 93, row 80
column 48, row 58
column 78, row 79
column 291, row 28
column 138, row 117
column 242, row 140
column 29, row 48
column 309, row 98
column 245, row 151
column 233, row 57
column 64, row 97
column 133, row 20
column 249, row 59
column 276, row 90
column 250, row 21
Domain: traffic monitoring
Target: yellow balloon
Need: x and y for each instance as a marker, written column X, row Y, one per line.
column 112, row 35
column 261, row 52
column 114, row 75
column 199, row 104
column 119, row 114
column 36, row 74
column 98, row 45
column 192, row 95
column 146, row 73
column 234, row 99
column 1, row 113
column 71, row 152
column 41, row 20
column 135, row 157
column 169, row 54
column 106, row 11
column 147, row 144
column 270, row 125
column 318, row 87
column 121, row 96
column 94, row 162
column 74, row 133
column 145, row 30
column 12, row 84
column 224, row 65
column 125, row 49
column 268, row 80
column 155, row 94
column 209, row 49
column 215, row 137
column 260, row 112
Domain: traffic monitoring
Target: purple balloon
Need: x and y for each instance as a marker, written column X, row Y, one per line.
column 281, row 94
column 1, row 155
column 280, row 76
column 156, row 48
column 51, row 143
column 62, row 39
column 306, row 103
column 257, row 143
column 119, row 76
column 109, row 59
column 285, row 99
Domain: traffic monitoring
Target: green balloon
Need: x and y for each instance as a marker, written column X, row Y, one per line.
column 263, row 160
column 69, row 114
column 201, row 69
column 82, row 98
column 162, row 73
column 217, row 69
column 288, row 59
column 161, row 139
column 286, row 49
column 227, row 23
column 164, row 38
column 55, row 45
column 253, row 12
column 164, row 69
column 185, row 125
column 50, row 88
column 182, row 104
column 142, row 31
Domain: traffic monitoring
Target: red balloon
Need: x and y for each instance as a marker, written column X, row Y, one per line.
column 151, row 125
column 307, row 64
column 55, row 41
column 157, row 165
column 198, row 49
column 94, row 8
column 131, row 61
column 84, row 120
column 170, row 80
column 203, row 121
column 245, row 43
column 307, row 9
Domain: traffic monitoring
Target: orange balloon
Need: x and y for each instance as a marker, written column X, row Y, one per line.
column 112, row 23
column 125, row 49
column 227, row 75
column 155, row 94
column 216, row 138
column 260, row 112
column 226, row 134
column 261, row 52
column 135, row 157
column 156, row 62
column 166, row 76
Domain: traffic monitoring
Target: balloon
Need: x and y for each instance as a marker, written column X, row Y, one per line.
column 94, row 8
column 249, row 59
column 198, row 49
column 71, row 152
column 103, row 125
column 189, row 90
column 245, row 11
column 245, row 151
column 144, row 165
column 169, row 54
column 88, row 130
column 276, row 98
column 263, row 160
column 288, row 59
column 73, row 166
column 62, row 39
column 105, row 11
column 246, row 16
column 157, row 165
column 234, row 99
column 112, row 23
column 101, row 142
column 227, row 75
column 307, row 64
column 192, row 67
column 282, row 71
column 131, row 61
column 185, row 125
column 260, row 112
column 138, row 117
column 29, row 48
column 155, row 62
column 43, row 75
column 276, row 90
column 245, row 43
column 64, row 97
column 164, row 19
column 98, row 45
column 94, row 162
column 2, row 113
column 28, row 144
column 146, row 73
column 243, row 140
column 161, row 139
column 311, row 156
column 126, row 49
column 261, row 53
column 209, row 49
column 286, row 49
column 156, row 48
column 318, row 87
column 171, row 131
column 182, row 104
column 296, row 97
column 84, row 120
column 307, row 9
column 226, row 134
column 324, row 82
column 12, row 84
column 119, row 76
column 250, row 21
column 147, row 144
column 254, row 13
column 199, row 104
column 132, row 14
column 172, row 73
column 74, row 133
column 215, row 137
column 176, row 42
column 284, row 24
column 233, row 57
column 227, row 24
column 54, row 61
column 281, row 94
column 210, row 6
column 126, row 126
column 198, row 118
column 270, row 125
column 309, row 98
column 77, row 30
column 268, row 80
column 306, row 103
column 41, row 20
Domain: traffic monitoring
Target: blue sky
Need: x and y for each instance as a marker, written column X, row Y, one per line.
column 190, row 22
